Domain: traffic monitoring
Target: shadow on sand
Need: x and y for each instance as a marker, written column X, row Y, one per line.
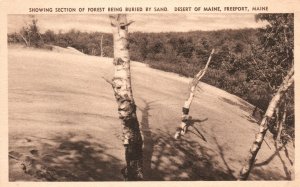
column 184, row 160
column 67, row 159
column 168, row 159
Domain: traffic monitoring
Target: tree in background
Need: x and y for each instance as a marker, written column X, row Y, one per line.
column 31, row 34
column 101, row 47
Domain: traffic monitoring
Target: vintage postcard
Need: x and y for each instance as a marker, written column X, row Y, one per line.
column 193, row 93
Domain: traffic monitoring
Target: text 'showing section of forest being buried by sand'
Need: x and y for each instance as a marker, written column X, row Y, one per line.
column 155, row 97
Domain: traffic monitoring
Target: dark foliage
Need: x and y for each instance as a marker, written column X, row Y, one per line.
column 28, row 35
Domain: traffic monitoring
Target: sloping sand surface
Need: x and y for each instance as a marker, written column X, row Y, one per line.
column 63, row 124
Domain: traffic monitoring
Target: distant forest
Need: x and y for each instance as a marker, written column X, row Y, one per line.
column 249, row 63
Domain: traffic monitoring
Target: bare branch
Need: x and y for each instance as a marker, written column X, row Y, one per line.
column 108, row 81
column 26, row 42
column 181, row 130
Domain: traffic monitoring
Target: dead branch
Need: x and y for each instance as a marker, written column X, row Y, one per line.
column 181, row 130
column 26, row 42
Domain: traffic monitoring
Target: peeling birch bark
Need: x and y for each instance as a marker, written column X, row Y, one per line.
column 121, row 84
column 263, row 127
column 181, row 130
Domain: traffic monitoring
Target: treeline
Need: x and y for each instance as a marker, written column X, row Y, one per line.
column 183, row 53
column 238, row 65
column 88, row 43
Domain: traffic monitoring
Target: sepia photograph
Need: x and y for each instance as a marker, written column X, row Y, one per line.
column 151, row 97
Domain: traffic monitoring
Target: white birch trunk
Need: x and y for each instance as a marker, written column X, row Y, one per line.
column 287, row 82
column 121, row 84
column 181, row 130
column 26, row 42
column 101, row 46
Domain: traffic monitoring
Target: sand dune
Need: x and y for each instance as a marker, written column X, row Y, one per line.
column 63, row 124
column 69, row 50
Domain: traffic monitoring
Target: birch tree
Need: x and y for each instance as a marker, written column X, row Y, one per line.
column 30, row 34
column 263, row 127
column 101, row 46
column 181, row 130
column 121, row 84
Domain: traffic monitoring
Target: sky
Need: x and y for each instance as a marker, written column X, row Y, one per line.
column 142, row 22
